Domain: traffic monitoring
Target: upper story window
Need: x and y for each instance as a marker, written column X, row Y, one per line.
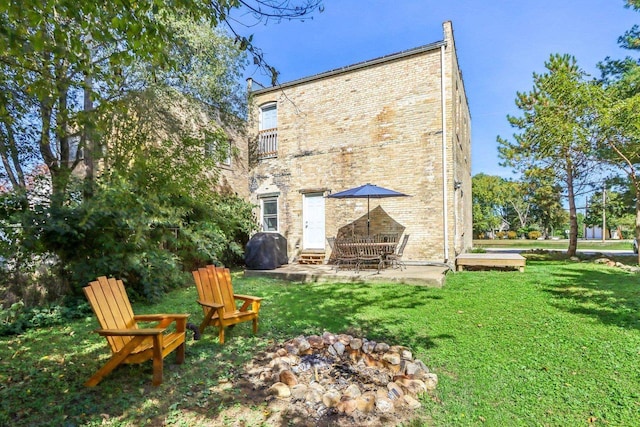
column 269, row 116
column 268, row 131
column 224, row 157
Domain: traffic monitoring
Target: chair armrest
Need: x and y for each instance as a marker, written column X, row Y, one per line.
column 130, row 332
column 157, row 317
column 247, row 297
column 210, row 304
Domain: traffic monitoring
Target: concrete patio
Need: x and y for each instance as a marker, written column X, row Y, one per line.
column 420, row 275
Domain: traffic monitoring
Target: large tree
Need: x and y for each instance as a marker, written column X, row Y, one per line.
column 619, row 119
column 555, row 137
column 63, row 61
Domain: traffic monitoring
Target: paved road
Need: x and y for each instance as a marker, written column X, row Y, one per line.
column 621, row 252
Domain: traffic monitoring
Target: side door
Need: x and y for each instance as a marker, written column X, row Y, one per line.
column 313, row 217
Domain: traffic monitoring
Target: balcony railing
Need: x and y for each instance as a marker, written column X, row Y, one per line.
column 268, row 143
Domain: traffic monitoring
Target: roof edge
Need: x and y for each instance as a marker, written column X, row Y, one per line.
column 353, row 67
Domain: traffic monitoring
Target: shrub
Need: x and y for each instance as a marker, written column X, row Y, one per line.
column 534, row 235
column 500, row 235
column 511, row 235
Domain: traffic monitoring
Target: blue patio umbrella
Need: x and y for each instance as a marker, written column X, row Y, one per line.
column 368, row 191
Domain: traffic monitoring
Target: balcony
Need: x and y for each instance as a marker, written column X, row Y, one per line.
column 267, row 143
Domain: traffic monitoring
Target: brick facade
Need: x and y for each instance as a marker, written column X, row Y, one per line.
column 376, row 122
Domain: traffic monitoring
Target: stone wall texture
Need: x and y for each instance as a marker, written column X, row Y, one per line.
column 377, row 122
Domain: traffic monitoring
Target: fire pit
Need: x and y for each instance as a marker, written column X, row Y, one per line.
column 339, row 379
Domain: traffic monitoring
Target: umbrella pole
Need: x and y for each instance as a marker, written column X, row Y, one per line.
column 368, row 220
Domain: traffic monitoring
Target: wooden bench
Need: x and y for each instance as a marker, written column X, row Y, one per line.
column 491, row 260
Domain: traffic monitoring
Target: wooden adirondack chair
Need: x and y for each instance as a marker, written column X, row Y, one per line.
column 128, row 342
column 218, row 302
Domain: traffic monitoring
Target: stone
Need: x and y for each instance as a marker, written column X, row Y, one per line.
column 315, row 341
column 431, row 381
column 412, row 387
column 352, row 391
column 328, row 338
column 368, row 347
column 412, row 369
column 381, row 347
column 395, row 391
column 280, row 390
column 313, row 396
column 289, row 378
column 392, row 358
column 384, row 404
column 355, row 344
column 280, row 364
column 346, row 406
column 411, row 402
column 366, row 402
column 406, row 354
column 299, row 392
column 338, row 347
column 345, row 339
column 303, row 345
column 281, row 352
column 291, row 348
column 331, row 398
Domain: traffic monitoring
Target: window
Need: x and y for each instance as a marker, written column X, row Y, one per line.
column 268, row 131
column 270, row 214
column 210, row 150
column 269, row 116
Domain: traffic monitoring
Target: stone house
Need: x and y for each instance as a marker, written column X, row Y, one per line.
column 401, row 122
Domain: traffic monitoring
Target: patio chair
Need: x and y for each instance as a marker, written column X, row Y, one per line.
column 218, row 302
column 369, row 254
column 346, row 253
column 128, row 342
column 395, row 259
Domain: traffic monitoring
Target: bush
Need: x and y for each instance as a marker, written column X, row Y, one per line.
column 511, row 235
column 500, row 235
column 534, row 235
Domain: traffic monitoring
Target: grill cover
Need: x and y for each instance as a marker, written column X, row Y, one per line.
column 266, row 251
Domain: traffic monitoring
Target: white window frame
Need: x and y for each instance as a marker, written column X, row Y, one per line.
column 264, row 216
column 210, row 150
column 269, row 106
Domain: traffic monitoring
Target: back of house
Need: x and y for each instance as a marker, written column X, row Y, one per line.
column 401, row 122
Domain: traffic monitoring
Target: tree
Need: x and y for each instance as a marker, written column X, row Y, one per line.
column 487, row 200
column 64, row 68
column 546, row 202
column 62, row 62
column 619, row 118
column 613, row 205
column 556, row 132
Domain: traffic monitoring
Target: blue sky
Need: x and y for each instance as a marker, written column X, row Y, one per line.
column 500, row 44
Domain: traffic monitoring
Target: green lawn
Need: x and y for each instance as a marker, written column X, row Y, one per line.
column 558, row 345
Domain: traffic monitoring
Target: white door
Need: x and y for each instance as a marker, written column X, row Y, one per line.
column 313, row 221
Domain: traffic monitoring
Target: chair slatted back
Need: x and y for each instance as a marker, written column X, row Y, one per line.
column 110, row 304
column 206, row 280
column 226, row 288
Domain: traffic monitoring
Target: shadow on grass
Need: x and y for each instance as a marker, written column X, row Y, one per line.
column 610, row 295
column 42, row 375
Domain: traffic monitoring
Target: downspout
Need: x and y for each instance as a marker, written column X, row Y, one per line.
column 445, row 213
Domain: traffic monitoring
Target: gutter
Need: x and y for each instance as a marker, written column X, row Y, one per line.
column 445, row 194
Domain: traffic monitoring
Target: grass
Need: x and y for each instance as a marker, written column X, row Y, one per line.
column 558, row 345
column 595, row 245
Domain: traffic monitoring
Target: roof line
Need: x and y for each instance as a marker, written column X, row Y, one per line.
column 357, row 66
